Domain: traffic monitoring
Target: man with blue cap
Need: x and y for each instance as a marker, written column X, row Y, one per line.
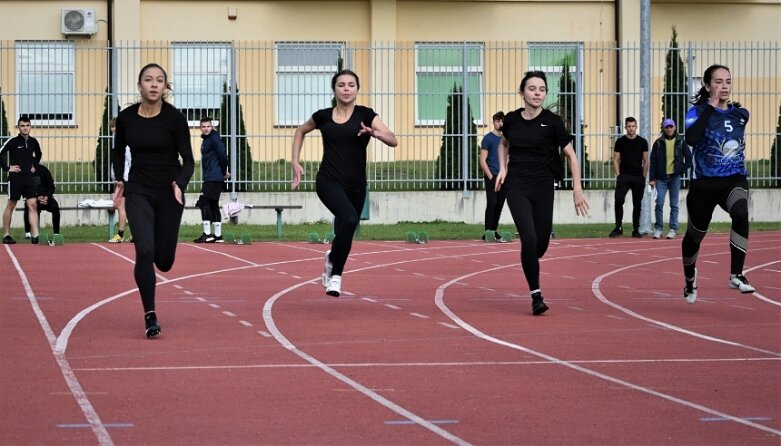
column 671, row 158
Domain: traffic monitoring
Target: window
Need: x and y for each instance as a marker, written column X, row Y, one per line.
column 46, row 82
column 439, row 68
column 551, row 58
column 201, row 76
column 304, row 72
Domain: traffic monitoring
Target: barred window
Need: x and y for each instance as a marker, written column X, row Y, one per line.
column 439, row 68
column 201, row 77
column 304, row 72
column 46, row 82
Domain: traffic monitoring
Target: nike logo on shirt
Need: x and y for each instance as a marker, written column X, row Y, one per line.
column 543, row 125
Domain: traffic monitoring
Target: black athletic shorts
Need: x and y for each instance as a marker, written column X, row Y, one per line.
column 21, row 185
column 212, row 189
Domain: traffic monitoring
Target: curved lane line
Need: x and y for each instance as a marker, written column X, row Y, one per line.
column 439, row 299
column 90, row 414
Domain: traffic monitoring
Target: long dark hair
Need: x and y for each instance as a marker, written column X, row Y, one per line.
column 342, row 72
column 703, row 95
column 148, row 66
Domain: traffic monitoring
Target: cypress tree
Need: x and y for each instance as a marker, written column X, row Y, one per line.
column 774, row 149
column 243, row 175
column 568, row 106
column 450, row 160
column 4, row 136
column 676, row 93
column 102, row 163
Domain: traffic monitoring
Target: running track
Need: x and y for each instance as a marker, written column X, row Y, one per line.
column 429, row 344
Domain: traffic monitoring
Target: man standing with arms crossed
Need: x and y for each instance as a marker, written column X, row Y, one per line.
column 630, row 164
column 24, row 153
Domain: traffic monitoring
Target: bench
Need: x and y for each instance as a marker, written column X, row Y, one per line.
column 110, row 211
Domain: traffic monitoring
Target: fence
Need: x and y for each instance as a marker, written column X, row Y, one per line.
column 258, row 92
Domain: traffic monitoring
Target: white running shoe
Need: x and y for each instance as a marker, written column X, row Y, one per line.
column 334, row 286
column 657, row 233
column 690, row 290
column 327, row 269
column 671, row 235
column 739, row 282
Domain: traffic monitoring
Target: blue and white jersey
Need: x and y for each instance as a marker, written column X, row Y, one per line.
column 721, row 151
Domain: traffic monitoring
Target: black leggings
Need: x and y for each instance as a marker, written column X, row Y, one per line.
column 209, row 201
column 532, row 209
column 494, row 202
column 51, row 206
column 623, row 184
column 155, row 218
column 346, row 205
column 731, row 194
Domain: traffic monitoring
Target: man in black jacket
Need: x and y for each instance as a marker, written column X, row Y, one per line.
column 24, row 153
column 671, row 158
column 44, row 184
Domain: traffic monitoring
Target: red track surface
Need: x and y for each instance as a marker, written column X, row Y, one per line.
column 429, row 344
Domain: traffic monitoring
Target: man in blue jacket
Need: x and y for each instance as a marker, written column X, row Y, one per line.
column 671, row 158
column 214, row 165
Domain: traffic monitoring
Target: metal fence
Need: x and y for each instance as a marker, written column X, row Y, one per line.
column 258, row 92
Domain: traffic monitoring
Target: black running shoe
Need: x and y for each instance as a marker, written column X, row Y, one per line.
column 204, row 238
column 538, row 306
column 218, row 239
column 636, row 234
column 7, row 240
column 152, row 325
column 616, row 232
column 34, row 240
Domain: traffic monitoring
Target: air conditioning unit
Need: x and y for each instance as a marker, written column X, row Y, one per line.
column 79, row 22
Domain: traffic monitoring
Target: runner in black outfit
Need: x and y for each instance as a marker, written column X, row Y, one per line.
column 529, row 163
column 157, row 135
column 341, row 180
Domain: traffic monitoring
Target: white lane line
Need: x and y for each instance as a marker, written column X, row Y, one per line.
column 392, row 307
column 90, row 414
column 449, row 325
column 420, row 421
column 418, row 315
column 214, row 305
column 369, row 299
column 757, row 294
column 246, row 323
column 440, row 302
column 229, row 314
column 264, row 333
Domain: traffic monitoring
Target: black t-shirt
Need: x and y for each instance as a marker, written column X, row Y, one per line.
column 631, row 151
column 156, row 144
column 535, row 146
column 344, row 152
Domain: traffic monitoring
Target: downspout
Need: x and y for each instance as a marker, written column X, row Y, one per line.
column 617, row 37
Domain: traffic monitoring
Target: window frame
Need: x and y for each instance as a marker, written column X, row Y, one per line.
column 300, row 116
column 436, row 69
column 576, row 47
column 69, row 66
column 178, row 72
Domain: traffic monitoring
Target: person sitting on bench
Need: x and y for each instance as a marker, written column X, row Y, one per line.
column 44, row 190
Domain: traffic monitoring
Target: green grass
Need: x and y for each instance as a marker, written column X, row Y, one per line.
column 436, row 231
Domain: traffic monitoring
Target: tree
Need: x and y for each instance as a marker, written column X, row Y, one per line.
column 4, row 136
column 339, row 67
column 567, row 107
column 243, row 174
column 102, row 161
column 675, row 99
column 774, row 154
column 450, row 160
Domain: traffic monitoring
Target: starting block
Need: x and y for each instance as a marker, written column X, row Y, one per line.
column 314, row 237
column 244, row 239
column 507, row 236
column 229, row 236
column 416, row 237
column 328, row 237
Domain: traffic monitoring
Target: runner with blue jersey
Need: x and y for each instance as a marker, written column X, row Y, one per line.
column 715, row 129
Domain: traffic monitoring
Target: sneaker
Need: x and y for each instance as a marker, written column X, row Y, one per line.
column 130, row 239
column 27, row 236
column 218, row 239
column 7, row 240
column 538, row 306
column 204, row 238
column 327, row 269
column 334, row 286
column 671, row 235
column 658, row 234
column 739, row 282
column 636, row 234
column 34, row 240
column 617, row 232
column 152, row 325
column 115, row 239
column 690, row 290
column 502, row 240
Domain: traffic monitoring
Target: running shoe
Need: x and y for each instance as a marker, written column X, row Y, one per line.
column 636, row 234
column 739, row 282
column 616, row 232
column 538, row 306
column 115, row 239
column 34, row 240
column 657, row 234
column 334, row 286
column 671, row 235
column 690, row 290
column 152, row 325
column 7, row 240
column 218, row 239
column 204, row 238
column 327, row 269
